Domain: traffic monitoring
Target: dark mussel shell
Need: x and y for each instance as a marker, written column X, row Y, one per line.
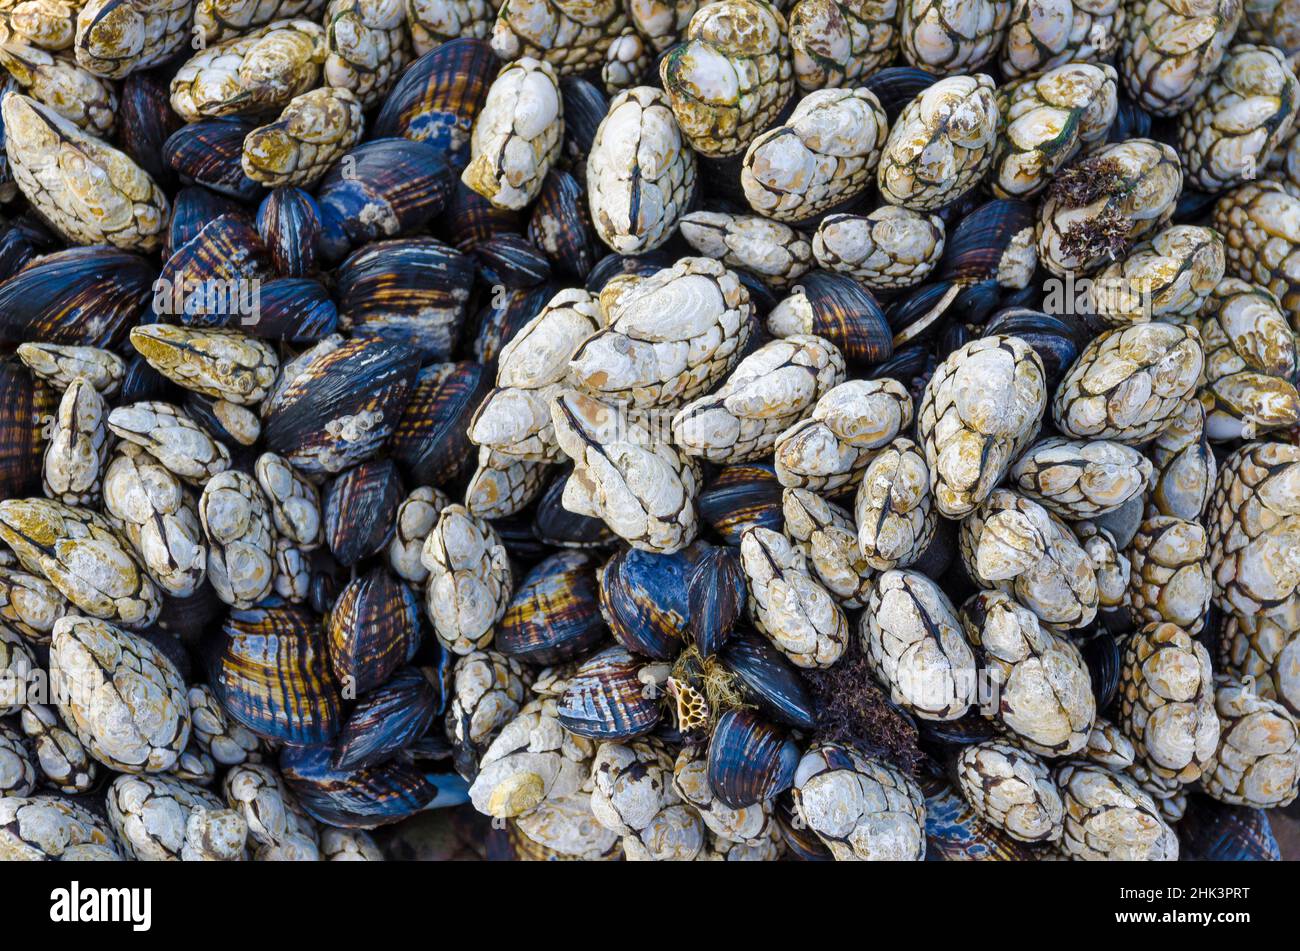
column 1056, row 340
column 511, row 260
column 769, row 681
column 645, row 599
column 296, row 310
column 288, row 221
column 716, row 598
column 553, row 615
column 214, row 416
column 1123, row 522
column 843, row 312
column 614, row 265
column 953, row 831
column 750, row 760
column 21, row 241
column 413, row 291
column 1103, row 657
column 142, row 382
column 210, row 281
column 1213, row 831
column 740, row 497
column 82, row 296
column 208, row 153
column 553, row 524
column 386, row 720
column 193, row 209
column 439, row 96
column 25, row 405
column 327, row 581
column 561, row 225
column 975, row 247
column 185, row 619
column 269, row 668
column 504, row 315
column 1193, row 206
column 373, row 629
column 896, row 86
column 797, row 835
column 359, row 509
column 469, row 219
column 145, row 120
column 363, row 798
column 585, row 106
column 922, row 312
column 1131, row 122
column 964, row 731
column 171, row 648
column 911, row 366
column 606, row 700
column 516, row 533
column 935, row 561
column 381, row 189
column 342, row 405
column 431, row 442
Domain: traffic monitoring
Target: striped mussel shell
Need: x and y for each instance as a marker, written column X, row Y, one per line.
column 289, row 223
column 26, row 404
column 715, row 598
column 269, row 667
column 373, row 628
column 438, row 98
column 469, row 219
column 193, row 209
column 1056, row 339
column 360, row 798
column 645, row 599
column 380, row 189
column 1217, row 832
column 338, row 403
column 554, row 615
column 293, row 310
column 208, row 153
column 192, row 287
column 769, row 681
column 145, row 121
column 505, row 314
column 953, row 831
column 386, row 720
column 585, row 106
column 412, row 291
column 555, row 525
column 223, row 420
column 359, row 508
column 561, row 225
column 430, row 441
column 142, row 383
column 995, row 241
column 21, row 240
column 836, row 308
column 750, row 760
column 740, row 497
column 88, row 296
column 605, row 699
column 511, row 261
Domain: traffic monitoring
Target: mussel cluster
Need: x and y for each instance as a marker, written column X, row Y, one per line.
column 724, row 430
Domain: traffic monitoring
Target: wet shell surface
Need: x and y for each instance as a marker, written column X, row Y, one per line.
column 517, row 135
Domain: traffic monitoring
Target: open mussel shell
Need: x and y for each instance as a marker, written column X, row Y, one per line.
column 372, row 630
column 954, row 832
column 585, row 107
column 208, row 153
column 896, row 86
column 839, row 309
column 1056, row 339
column 741, row 497
column 769, row 681
column 210, row 280
column 236, row 426
column 145, row 120
column 470, row 219
column 975, row 247
column 193, row 209
column 554, row 615
column 921, row 313
column 380, row 189
column 716, row 598
column 412, row 291
column 439, row 96
column 295, row 310
column 1212, row 831
column 386, row 720
column 269, row 668
column 359, row 509
column 82, row 296
column 288, row 221
column 341, row 407
column 561, row 225
column 25, row 404
column 750, row 759
column 645, row 599
column 1104, row 659
column 605, row 699
column 430, row 442
column 553, row 524
column 511, row 261
column 367, row 797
